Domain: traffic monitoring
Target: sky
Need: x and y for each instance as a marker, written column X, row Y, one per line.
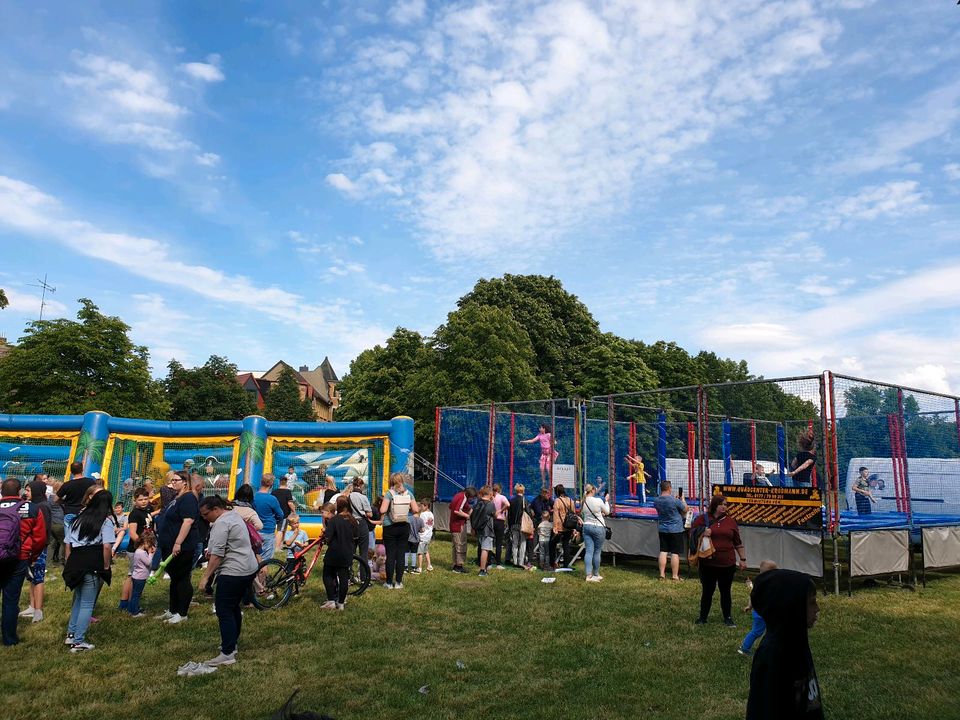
column 772, row 181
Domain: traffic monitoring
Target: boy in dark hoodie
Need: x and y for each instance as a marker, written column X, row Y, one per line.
column 783, row 680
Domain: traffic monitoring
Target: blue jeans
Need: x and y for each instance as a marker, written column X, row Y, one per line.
column 593, row 539
column 757, row 630
column 230, row 590
column 136, row 593
column 269, row 545
column 84, row 598
column 12, row 574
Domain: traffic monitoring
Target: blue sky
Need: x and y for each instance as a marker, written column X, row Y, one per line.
column 774, row 181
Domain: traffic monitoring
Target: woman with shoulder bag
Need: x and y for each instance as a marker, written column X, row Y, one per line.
column 592, row 510
column 718, row 569
column 396, row 506
column 565, row 523
column 234, row 565
column 520, row 522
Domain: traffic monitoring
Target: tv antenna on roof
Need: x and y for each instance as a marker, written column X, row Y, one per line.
column 43, row 295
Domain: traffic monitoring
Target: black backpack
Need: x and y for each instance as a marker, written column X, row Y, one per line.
column 478, row 516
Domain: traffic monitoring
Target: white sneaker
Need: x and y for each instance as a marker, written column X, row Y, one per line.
column 398, row 586
column 165, row 615
column 26, row 613
column 37, row 615
column 175, row 619
column 69, row 639
column 81, row 646
column 328, row 605
column 340, row 606
column 388, row 586
column 501, row 567
column 222, row 659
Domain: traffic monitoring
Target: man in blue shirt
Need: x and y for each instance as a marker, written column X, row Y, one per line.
column 671, row 512
column 268, row 508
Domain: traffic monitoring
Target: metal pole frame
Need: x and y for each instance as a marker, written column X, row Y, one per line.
column 513, row 426
column 490, row 438
column 753, row 447
column 903, row 457
column 611, row 455
column 691, row 455
column 553, row 438
column 436, row 453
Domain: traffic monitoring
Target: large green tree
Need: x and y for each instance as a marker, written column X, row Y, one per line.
column 396, row 378
column 283, row 401
column 208, row 392
column 560, row 327
column 69, row 367
column 3, row 299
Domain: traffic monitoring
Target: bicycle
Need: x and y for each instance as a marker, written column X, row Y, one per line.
column 282, row 580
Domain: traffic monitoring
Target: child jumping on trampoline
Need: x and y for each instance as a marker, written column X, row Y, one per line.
column 548, row 455
column 759, row 627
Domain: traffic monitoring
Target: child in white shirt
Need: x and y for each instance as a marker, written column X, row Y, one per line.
column 426, row 534
column 544, row 531
column 294, row 539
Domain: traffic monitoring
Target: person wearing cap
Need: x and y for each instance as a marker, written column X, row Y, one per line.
column 862, row 492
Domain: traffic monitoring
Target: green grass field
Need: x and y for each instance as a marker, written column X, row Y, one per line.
column 623, row 648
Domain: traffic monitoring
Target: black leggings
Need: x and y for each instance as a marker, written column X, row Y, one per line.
column 395, row 543
column 710, row 579
column 336, row 580
column 181, row 586
column 563, row 540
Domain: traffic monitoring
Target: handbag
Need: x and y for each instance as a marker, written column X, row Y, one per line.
column 700, row 545
column 526, row 524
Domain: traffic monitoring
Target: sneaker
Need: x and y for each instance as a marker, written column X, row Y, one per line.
column 483, row 573
column 388, row 586
column 165, row 615
column 429, row 568
column 139, row 615
column 37, row 615
column 175, row 619
column 415, row 571
column 598, row 577
column 328, row 605
column 398, row 586
column 69, row 639
column 745, row 653
column 460, row 569
column 222, row 659
column 81, row 647
column 729, row 622
column 501, row 567
column 26, row 613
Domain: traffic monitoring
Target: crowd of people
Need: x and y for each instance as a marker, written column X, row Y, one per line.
column 178, row 530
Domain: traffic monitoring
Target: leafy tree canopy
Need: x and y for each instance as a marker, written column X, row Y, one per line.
column 3, row 299
column 70, row 367
column 283, row 401
column 560, row 327
column 209, row 392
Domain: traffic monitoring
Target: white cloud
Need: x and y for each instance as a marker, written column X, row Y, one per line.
column 341, row 182
column 206, row 72
column 544, row 119
column 855, row 332
column 133, row 104
column 933, row 116
column 208, row 159
column 952, row 171
column 27, row 210
column 408, row 11
column 893, row 199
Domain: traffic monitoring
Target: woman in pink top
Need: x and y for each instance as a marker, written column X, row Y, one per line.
column 547, row 454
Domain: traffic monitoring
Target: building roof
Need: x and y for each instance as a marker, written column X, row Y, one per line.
column 317, row 379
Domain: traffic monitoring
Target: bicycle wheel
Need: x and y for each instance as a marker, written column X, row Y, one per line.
column 359, row 576
column 275, row 589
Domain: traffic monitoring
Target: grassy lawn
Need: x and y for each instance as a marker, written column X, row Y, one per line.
column 623, row 648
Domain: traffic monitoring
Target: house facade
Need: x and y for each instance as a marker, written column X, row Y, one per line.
column 318, row 385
